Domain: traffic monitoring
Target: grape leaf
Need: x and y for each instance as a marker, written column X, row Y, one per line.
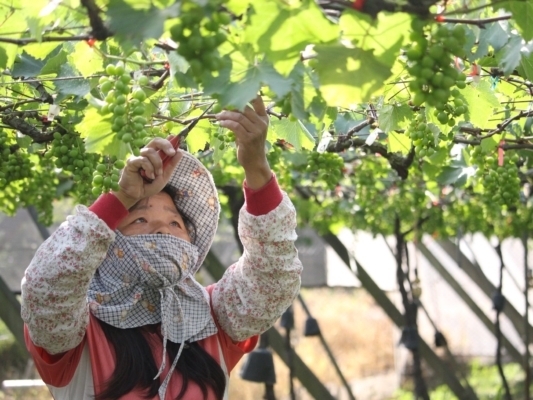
column 53, row 64
column 489, row 144
column 277, row 82
column 511, row 54
column 494, row 35
column 391, row 116
column 451, row 175
column 526, row 64
column 282, row 32
column 26, row 66
column 4, row 58
column 85, row 59
column 293, row 132
column 383, row 35
column 147, row 23
column 71, row 85
column 522, row 15
column 349, row 76
column 199, row 136
column 398, row 143
column 481, row 101
column 95, row 130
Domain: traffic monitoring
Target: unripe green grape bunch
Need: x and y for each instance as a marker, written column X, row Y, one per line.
column 328, row 167
column 430, row 62
column 448, row 112
column 107, row 175
column 422, row 136
column 68, row 151
column 199, row 35
column 225, row 137
column 274, row 156
column 124, row 98
column 14, row 165
column 501, row 183
column 41, row 190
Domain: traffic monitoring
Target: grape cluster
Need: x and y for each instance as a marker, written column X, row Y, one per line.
column 199, row 36
column 430, row 62
column 107, row 175
column 225, row 138
column 68, row 150
column 422, row 136
column 124, row 99
column 501, row 183
column 14, row 164
column 447, row 112
column 41, row 191
column 328, row 166
column 274, row 156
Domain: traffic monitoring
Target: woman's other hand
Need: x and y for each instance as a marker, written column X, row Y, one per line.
column 250, row 128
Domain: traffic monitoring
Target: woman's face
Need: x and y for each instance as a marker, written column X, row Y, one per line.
column 155, row 214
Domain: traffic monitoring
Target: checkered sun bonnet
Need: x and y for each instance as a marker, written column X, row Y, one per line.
column 197, row 198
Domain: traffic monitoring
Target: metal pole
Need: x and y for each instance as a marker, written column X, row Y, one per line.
column 328, row 351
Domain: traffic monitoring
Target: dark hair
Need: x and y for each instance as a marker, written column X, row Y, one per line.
column 136, row 367
column 191, row 227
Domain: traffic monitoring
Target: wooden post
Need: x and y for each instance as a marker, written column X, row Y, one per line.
column 10, row 314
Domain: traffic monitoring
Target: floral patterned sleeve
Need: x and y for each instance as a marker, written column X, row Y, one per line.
column 255, row 291
column 54, row 287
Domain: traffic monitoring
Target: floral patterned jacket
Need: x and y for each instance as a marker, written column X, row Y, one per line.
column 248, row 299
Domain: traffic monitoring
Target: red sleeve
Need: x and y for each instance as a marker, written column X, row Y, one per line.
column 263, row 200
column 109, row 209
column 57, row 369
column 233, row 351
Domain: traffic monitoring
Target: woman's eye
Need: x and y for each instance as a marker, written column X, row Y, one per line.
column 175, row 223
column 139, row 220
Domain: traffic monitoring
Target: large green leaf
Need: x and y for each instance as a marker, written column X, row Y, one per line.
column 237, row 94
column 96, row 131
column 71, row 83
column 282, row 32
column 137, row 24
column 349, row 76
column 384, row 35
column 26, row 66
column 511, row 54
column 398, row 143
column 454, row 175
column 526, row 65
column 293, row 132
column 85, row 59
column 53, row 64
column 481, row 102
column 522, row 11
column 392, row 115
column 199, row 136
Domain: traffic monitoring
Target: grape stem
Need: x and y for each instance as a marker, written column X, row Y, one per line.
column 99, row 29
column 25, row 41
column 478, row 22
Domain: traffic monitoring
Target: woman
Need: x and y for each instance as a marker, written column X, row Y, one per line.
column 110, row 303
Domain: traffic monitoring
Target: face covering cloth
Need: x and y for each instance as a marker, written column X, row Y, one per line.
column 149, row 279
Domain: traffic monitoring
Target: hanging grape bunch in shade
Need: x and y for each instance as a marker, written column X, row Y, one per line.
column 430, row 64
column 500, row 178
column 124, row 98
column 199, row 34
column 14, row 165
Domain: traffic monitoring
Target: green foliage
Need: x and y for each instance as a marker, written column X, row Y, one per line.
column 373, row 116
column 485, row 380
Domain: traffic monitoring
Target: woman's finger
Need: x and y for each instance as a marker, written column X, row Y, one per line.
column 155, row 159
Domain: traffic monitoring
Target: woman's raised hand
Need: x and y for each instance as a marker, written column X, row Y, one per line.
column 250, row 127
column 132, row 186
